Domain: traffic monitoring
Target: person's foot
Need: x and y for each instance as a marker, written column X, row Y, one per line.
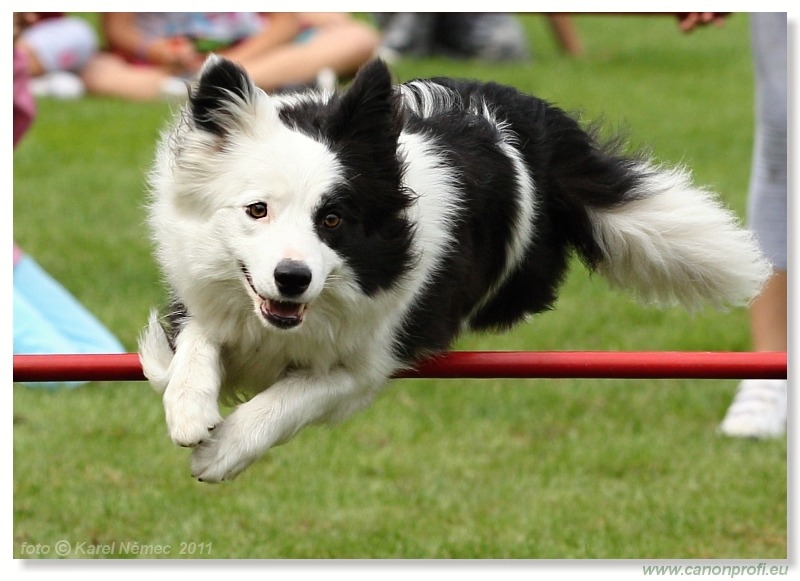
column 58, row 84
column 174, row 89
column 758, row 410
column 327, row 80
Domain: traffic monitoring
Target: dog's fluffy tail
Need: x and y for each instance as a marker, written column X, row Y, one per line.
column 155, row 353
column 674, row 243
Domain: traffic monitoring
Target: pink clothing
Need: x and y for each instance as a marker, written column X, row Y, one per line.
column 24, row 111
column 24, row 104
column 18, row 254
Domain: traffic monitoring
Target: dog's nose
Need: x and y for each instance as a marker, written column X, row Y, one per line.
column 292, row 277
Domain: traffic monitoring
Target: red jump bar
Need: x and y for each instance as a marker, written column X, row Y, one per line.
column 469, row 365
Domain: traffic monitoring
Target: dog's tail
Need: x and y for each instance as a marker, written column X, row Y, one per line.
column 648, row 229
column 155, row 352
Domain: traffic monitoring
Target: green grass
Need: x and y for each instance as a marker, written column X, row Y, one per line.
column 540, row 469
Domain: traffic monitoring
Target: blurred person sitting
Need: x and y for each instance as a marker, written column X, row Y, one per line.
column 56, row 48
column 152, row 54
column 491, row 36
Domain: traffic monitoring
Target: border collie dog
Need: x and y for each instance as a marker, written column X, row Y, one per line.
column 317, row 243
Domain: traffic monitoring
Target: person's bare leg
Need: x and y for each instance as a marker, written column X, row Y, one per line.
column 108, row 74
column 768, row 315
column 759, row 408
column 341, row 48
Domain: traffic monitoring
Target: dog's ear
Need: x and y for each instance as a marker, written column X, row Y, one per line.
column 223, row 87
column 367, row 113
column 365, row 127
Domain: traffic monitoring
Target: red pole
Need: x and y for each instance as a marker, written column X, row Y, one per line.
column 604, row 364
column 104, row 367
column 469, row 365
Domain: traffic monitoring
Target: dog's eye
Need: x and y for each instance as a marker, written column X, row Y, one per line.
column 257, row 210
column 331, row 221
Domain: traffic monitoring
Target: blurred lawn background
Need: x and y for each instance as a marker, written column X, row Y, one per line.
column 530, row 469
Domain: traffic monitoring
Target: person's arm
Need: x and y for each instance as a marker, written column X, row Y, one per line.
column 688, row 21
column 123, row 36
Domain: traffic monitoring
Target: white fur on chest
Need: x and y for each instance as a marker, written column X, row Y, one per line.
column 343, row 331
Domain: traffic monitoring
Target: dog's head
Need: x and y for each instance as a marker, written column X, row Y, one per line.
column 293, row 196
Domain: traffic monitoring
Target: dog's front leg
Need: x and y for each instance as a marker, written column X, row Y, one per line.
column 274, row 416
column 190, row 399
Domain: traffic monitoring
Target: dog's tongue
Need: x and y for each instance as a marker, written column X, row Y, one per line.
column 283, row 315
column 284, row 309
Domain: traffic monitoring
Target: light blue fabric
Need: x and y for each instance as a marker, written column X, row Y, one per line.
column 49, row 320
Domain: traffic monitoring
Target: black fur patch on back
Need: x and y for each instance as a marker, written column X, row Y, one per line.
column 488, row 204
column 571, row 171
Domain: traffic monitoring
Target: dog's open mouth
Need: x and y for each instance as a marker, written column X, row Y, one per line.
column 281, row 314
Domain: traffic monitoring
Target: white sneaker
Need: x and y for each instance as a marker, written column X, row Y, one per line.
column 327, row 80
column 174, row 89
column 58, row 84
column 758, row 410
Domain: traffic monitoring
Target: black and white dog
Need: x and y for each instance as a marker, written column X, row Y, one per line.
column 317, row 243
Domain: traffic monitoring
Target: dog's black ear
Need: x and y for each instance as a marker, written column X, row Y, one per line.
column 367, row 112
column 364, row 126
column 223, row 86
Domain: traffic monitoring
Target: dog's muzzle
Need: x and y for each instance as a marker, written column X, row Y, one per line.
column 292, row 279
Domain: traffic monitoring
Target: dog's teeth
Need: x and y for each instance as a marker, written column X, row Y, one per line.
column 283, row 314
column 284, row 309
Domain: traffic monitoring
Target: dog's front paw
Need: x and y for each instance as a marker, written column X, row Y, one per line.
column 225, row 454
column 190, row 423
